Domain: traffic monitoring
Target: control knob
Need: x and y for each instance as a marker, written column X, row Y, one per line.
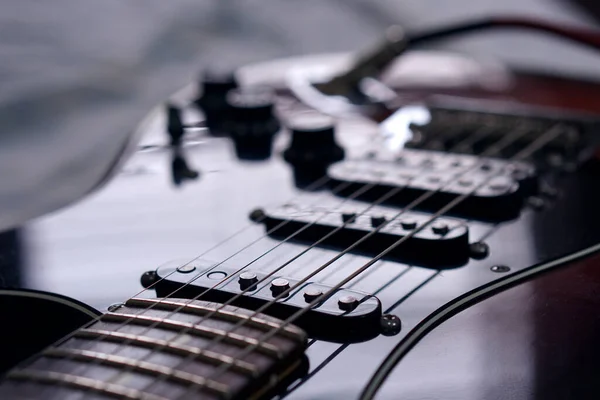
column 313, row 146
column 213, row 87
column 251, row 122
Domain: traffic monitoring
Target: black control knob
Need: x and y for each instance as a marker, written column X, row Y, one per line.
column 312, row 148
column 213, row 87
column 175, row 127
column 180, row 169
column 251, row 123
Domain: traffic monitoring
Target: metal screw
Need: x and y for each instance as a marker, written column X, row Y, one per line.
column 390, row 325
column 114, row 307
column 257, row 215
column 500, row 268
column 479, row 250
column 148, row 279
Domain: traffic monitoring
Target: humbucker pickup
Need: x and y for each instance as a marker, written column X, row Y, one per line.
column 345, row 316
column 496, row 188
column 442, row 244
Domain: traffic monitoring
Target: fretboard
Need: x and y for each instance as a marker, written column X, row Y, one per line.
column 157, row 349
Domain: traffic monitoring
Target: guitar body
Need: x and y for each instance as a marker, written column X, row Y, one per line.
column 23, row 312
column 518, row 322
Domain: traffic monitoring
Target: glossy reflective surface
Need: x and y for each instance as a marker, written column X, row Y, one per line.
column 97, row 249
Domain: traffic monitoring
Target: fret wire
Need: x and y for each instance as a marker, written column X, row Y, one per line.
column 175, row 348
column 200, row 310
column 210, row 333
column 536, row 145
column 138, row 366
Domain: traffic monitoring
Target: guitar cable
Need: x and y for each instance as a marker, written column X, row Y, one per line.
column 374, row 62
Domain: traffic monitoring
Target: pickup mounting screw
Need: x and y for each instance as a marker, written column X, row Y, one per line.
column 390, row 325
column 479, row 250
column 500, row 268
column 114, row 307
column 148, row 279
column 257, row 215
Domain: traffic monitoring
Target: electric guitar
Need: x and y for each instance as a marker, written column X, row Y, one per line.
column 404, row 224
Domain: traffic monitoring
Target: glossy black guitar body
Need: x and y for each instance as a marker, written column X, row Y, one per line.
column 503, row 347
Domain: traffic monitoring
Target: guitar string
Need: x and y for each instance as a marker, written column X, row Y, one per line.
column 233, row 275
column 505, row 142
column 334, row 354
column 323, row 181
column 343, row 346
column 319, row 184
column 407, row 208
column 533, row 147
column 383, row 198
column 338, row 188
column 514, row 136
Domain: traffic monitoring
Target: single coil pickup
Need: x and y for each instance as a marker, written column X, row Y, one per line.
column 496, row 189
column 345, row 316
column 442, row 244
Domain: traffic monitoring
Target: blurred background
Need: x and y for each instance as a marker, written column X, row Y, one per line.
column 76, row 76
